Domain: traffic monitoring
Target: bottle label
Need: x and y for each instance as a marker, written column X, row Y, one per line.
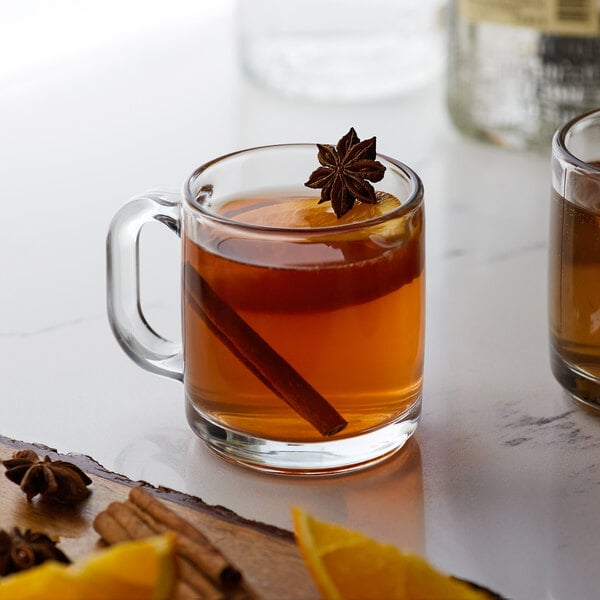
column 563, row 17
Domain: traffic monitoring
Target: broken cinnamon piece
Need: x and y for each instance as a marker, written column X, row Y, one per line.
column 259, row 357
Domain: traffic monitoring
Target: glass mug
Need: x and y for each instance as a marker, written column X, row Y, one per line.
column 574, row 257
column 302, row 335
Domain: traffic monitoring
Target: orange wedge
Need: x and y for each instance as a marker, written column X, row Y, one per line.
column 347, row 565
column 138, row 570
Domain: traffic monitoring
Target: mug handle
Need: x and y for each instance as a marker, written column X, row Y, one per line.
column 129, row 325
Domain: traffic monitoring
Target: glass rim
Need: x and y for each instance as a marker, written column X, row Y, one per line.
column 559, row 145
column 413, row 201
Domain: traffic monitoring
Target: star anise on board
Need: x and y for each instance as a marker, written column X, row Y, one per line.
column 345, row 172
column 20, row 551
column 58, row 480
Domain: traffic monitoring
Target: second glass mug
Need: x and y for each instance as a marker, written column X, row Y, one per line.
column 302, row 335
column 574, row 259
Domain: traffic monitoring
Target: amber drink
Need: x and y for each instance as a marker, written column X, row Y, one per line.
column 303, row 293
column 574, row 254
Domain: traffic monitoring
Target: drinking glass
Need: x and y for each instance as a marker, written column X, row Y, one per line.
column 302, row 333
column 339, row 50
column 574, row 254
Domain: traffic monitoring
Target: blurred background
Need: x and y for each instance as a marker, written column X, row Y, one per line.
column 510, row 73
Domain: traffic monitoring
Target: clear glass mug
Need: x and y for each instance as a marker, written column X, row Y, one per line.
column 302, row 335
column 574, row 259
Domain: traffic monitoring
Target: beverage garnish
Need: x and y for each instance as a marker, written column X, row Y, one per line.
column 22, row 550
column 345, row 172
column 59, row 481
column 259, row 357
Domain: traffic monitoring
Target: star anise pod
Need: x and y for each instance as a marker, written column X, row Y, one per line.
column 57, row 480
column 345, row 172
column 20, row 551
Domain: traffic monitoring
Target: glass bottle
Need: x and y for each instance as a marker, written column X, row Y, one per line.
column 341, row 50
column 518, row 69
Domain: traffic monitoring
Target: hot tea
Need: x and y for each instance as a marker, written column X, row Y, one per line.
column 344, row 310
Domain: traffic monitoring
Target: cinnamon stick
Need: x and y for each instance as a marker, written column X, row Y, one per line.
column 190, row 543
column 120, row 518
column 160, row 511
column 259, row 357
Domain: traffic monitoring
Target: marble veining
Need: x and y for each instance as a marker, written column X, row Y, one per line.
column 53, row 328
column 563, row 429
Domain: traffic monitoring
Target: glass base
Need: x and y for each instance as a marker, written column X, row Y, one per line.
column 314, row 458
column 582, row 387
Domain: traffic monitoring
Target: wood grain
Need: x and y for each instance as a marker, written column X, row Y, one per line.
column 267, row 556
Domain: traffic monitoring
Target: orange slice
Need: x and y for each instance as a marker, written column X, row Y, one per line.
column 138, row 570
column 306, row 212
column 348, row 565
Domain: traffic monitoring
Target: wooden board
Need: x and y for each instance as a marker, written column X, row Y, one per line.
column 267, row 556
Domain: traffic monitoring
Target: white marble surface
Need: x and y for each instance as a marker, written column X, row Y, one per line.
column 502, row 481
